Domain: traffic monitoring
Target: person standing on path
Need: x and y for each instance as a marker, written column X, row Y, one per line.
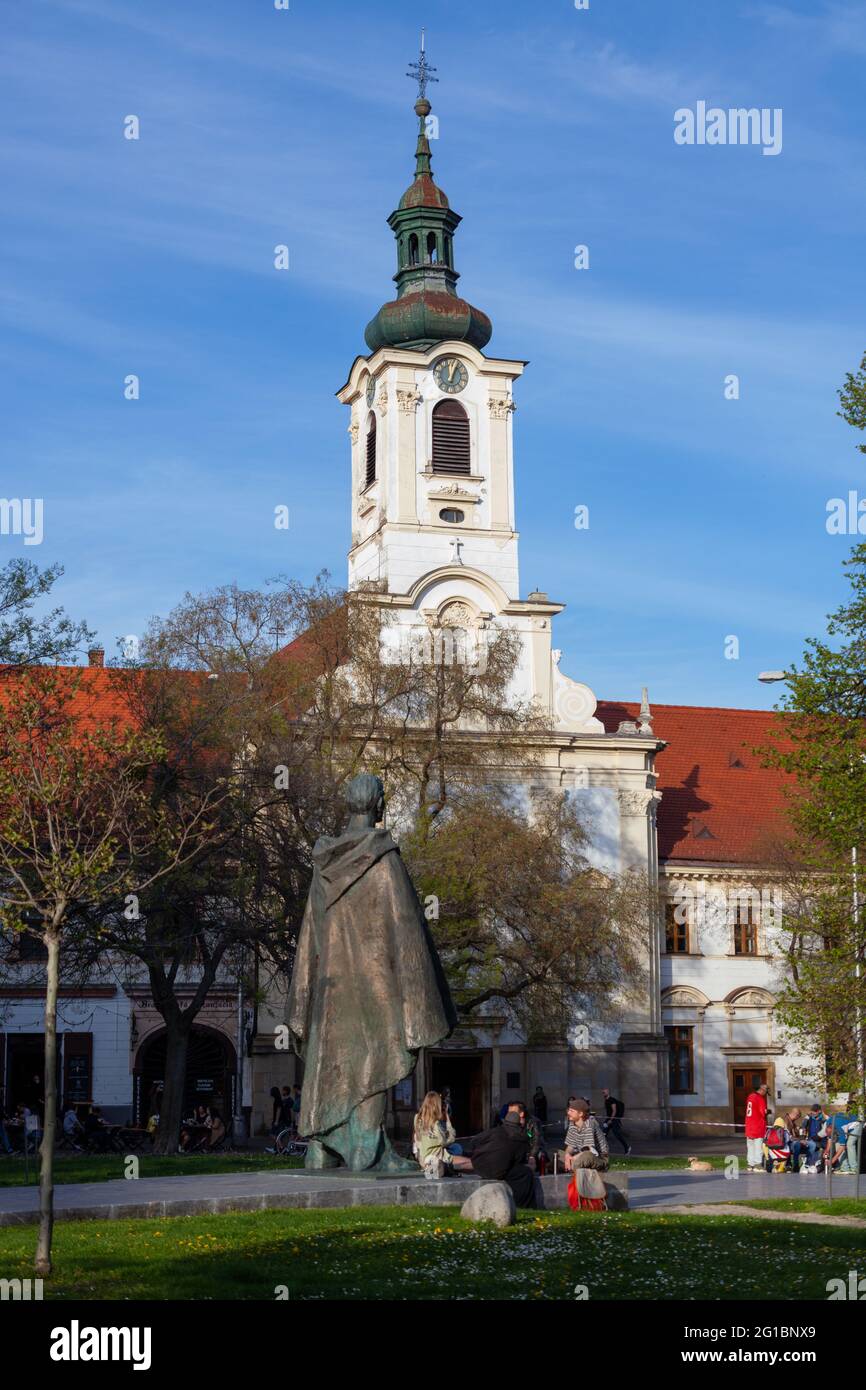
column 756, row 1125
column 614, row 1110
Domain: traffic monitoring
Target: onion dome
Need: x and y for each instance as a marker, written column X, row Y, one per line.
column 428, row 309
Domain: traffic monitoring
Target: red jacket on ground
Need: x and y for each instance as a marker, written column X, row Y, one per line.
column 756, row 1116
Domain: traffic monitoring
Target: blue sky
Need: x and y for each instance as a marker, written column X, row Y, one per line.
column 259, row 127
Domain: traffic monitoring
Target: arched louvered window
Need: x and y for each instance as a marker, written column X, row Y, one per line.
column 451, row 450
column 370, row 474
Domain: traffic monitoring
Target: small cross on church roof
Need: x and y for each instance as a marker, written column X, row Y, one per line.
column 421, row 72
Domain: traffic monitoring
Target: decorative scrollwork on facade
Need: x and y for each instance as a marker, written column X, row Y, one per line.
column 501, row 407
column 408, row 401
column 751, row 998
column 635, row 803
column 683, row 999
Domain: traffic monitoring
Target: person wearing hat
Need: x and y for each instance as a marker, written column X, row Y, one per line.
column 585, row 1143
column 503, row 1153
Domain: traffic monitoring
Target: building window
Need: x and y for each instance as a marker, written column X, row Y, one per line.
column 413, row 249
column 676, row 929
column 77, row 1068
column 452, row 515
column 681, row 1060
column 432, row 249
column 451, row 447
column 370, row 475
column 512, row 1080
column 745, row 929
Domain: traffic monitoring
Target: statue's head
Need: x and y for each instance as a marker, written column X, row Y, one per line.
column 365, row 798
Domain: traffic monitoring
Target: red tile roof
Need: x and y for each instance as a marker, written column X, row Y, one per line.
column 96, row 693
column 711, row 810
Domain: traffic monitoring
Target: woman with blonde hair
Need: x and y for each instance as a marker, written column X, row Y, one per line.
column 433, row 1134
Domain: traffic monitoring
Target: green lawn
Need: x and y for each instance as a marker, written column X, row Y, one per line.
column 839, row 1206
column 102, row 1167
column 427, row 1253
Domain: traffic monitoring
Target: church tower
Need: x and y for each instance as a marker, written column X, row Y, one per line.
column 435, row 543
column 433, row 497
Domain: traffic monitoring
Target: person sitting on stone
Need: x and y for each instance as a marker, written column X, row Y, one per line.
column 503, row 1153
column 533, row 1130
column 433, row 1136
column 585, row 1142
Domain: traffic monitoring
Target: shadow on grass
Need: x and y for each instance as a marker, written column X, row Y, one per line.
column 106, row 1167
column 432, row 1254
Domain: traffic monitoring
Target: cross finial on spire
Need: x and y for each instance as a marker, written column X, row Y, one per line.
column 421, row 72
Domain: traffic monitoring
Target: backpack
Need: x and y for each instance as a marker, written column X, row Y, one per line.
column 586, row 1191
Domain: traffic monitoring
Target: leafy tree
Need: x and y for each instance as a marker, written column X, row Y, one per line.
column 523, row 922
column 26, row 640
column 78, row 828
column 821, row 742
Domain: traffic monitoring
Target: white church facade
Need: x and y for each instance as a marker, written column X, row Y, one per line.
column 434, row 537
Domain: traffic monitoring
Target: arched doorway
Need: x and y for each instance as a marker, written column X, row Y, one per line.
column 211, row 1073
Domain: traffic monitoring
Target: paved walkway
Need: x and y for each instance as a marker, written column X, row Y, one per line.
column 808, row 1218
column 211, row 1192
column 651, row 1189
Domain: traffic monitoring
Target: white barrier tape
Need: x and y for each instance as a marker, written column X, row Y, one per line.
column 709, row 1124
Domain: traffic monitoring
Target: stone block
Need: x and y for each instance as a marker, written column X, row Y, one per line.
column 491, row 1201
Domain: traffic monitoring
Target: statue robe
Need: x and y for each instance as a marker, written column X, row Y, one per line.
column 367, row 987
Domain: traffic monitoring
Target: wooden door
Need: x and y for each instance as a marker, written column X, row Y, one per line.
column 744, row 1080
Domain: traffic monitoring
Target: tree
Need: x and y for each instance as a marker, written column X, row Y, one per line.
column 78, row 827
column 283, row 694
column 821, row 742
column 521, row 919
column 24, row 639
column 226, row 705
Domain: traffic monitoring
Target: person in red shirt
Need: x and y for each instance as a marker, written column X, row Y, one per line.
column 756, row 1124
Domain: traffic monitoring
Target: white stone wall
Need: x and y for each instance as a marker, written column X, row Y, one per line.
column 108, row 1020
column 727, row 999
column 397, row 533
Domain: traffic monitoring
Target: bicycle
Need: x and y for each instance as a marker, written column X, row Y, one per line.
column 288, row 1145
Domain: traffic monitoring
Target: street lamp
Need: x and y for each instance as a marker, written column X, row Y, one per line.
column 770, row 678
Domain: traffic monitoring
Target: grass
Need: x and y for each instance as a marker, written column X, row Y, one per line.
column 104, row 1167
column 431, row 1253
column 839, row 1206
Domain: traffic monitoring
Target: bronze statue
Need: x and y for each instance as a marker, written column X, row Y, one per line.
column 367, row 989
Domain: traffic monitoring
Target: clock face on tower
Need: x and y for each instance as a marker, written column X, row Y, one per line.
column 371, row 390
column 450, row 375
